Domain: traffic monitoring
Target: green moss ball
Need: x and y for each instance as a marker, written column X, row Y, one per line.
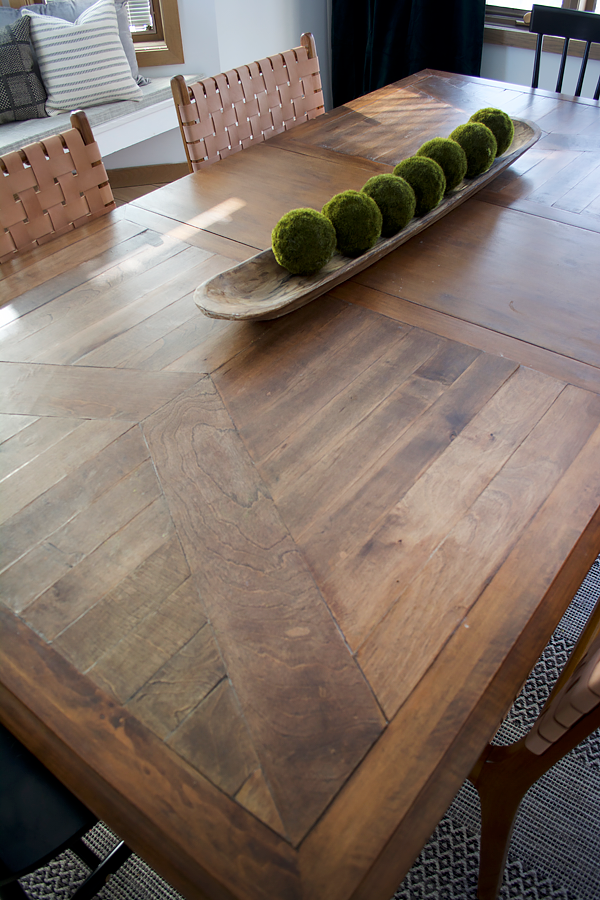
column 499, row 123
column 426, row 178
column 356, row 219
column 303, row 241
column 479, row 144
column 450, row 156
column 395, row 199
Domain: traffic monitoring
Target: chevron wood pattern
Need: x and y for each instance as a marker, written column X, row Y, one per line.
column 267, row 588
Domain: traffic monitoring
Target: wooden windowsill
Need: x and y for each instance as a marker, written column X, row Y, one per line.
column 167, row 51
column 518, row 37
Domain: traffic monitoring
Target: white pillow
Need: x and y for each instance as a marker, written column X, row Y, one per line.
column 83, row 63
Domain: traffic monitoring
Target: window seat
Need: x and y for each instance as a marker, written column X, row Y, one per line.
column 115, row 125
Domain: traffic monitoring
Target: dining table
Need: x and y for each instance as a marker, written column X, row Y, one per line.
column 268, row 588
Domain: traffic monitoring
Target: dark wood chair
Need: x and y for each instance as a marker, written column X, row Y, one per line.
column 504, row 774
column 39, row 819
column 50, row 187
column 571, row 24
column 228, row 112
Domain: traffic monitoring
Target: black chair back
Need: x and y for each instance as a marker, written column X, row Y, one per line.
column 572, row 25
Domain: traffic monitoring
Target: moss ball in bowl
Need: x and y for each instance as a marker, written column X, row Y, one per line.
column 479, row 144
column 499, row 123
column 450, row 156
column 395, row 199
column 303, row 241
column 426, row 178
column 356, row 219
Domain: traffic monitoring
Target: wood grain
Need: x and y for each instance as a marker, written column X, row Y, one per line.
column 137, row 787
column 370, row 580
column 95, row 393
column 339, row 532
column 534, row 299
column 232, row 201
column 401, row 476
column 268, row 616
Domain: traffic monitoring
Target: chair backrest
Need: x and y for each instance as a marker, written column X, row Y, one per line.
column 50, row 187
column 229, row 112
column 578, row 697
column 570, row 24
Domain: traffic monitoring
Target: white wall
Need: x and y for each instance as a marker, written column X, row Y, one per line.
column 515, row 64
column 221, row 34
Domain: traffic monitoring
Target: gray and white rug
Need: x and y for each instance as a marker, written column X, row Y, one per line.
column 555, row 850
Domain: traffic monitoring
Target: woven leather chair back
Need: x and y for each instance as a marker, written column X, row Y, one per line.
column 51, row 187
column 579, row 696
column 231, row 111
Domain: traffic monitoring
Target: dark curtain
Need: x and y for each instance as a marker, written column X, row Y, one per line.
column 375, row 42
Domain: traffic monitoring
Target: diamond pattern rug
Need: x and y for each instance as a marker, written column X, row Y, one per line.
column 555, row 850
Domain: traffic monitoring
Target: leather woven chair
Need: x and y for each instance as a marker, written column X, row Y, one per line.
column 231, row 111
column 39, row 819
column 504, row 774
column 51, row 187
column 570, row 24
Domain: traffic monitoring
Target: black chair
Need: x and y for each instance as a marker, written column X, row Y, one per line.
column 570, row 24
column 39, row 819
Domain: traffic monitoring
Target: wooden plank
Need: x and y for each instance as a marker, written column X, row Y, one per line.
column 582, row 196
column 335, row 477
column 248, row 213
column 44, row 390
column 215, row 740
column 144, row 650
column 255, row 796
column 100, row 572
column 332, row 425
column 449, row 326
column 31, row 441
column 360, row 592
column 448, row 585
column 535, row 299
column 340, row 532
column 125, row 608
column 38, row 279
column 156, row 332
column 39, row 568
column 176, row 689
column 11, row 425
column 459, row 703
column 270, row 622
column 131, row 311
column 197, row 237
column 28, row 483
column 91, row 472
column 579, row 220
column 269, row 395
column 37, row 336
column 187, row 829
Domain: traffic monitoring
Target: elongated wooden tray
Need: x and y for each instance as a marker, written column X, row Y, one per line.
column 260, row 288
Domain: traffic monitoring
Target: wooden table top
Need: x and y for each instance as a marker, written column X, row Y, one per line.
column 268, row 588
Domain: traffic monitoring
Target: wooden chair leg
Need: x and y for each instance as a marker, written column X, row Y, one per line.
column 502, row 777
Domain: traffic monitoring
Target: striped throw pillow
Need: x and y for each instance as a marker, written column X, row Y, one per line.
column 83, row 63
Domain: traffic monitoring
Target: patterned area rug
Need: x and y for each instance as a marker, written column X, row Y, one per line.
column 555, row 850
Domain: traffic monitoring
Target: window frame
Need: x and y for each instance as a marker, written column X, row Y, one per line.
column 506, row 26
column 165, row 46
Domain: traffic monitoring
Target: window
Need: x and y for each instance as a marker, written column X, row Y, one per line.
column 504, row 24
column 155, row 31
column 141, row 16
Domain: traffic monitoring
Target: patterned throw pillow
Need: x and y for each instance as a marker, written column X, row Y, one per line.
column 22, row 94
column 70, row 9
column 82, row 63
